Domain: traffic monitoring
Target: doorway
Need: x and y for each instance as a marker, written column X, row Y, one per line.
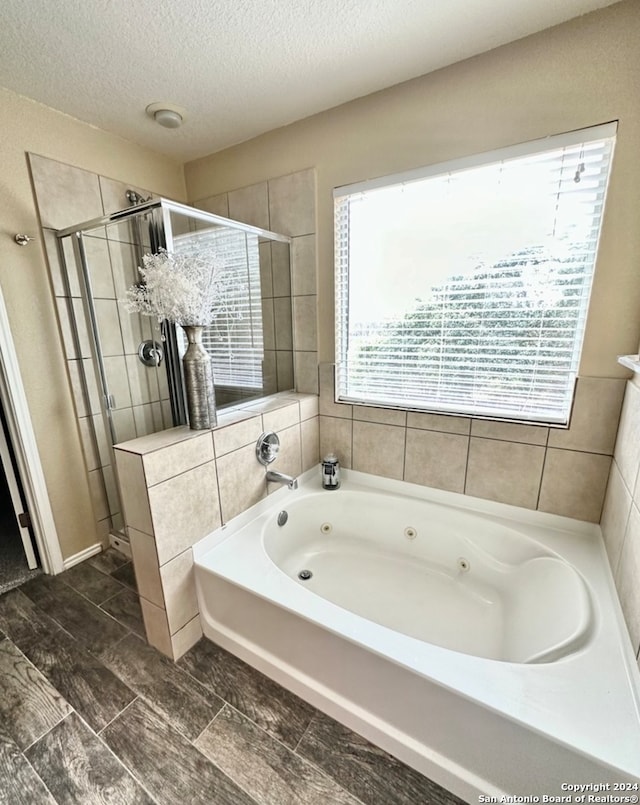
column 19, row 560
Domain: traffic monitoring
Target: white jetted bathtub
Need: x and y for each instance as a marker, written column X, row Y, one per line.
column 480, row 643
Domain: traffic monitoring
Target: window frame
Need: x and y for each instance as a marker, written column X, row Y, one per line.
column 606, row 131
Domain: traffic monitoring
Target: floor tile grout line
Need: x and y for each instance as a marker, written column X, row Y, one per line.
column 52, row 727
column 305, row 760
column 117, row 715
column 45, row 786
column 118, row 759
column 304, row 732
column 202, row 732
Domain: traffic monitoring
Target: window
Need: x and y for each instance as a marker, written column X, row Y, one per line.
column 235, row 339
column 463, row 288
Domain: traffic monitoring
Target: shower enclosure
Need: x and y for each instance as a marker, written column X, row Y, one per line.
column 129, row 366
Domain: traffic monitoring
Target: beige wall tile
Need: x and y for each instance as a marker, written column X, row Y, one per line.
column 239, row 434
column 114, row 194
column 177, row 458
column 98, row 494
column 56, row 271
column 627, row 449
column 66, row 195
column 111, row 489
column 289, row 458
column 310, row 437
column 595, row 417
column 218, row 205
column 99, row 264
column 281, row 418
column 378, row 449
column 136, row 328
column 146, row 566
column 115, row 368
column 436, row 459
column 574, row 484
column 80, row 321
column 305, row 336
column 268, row 324
column 303, row 265
column 384, row 416
column 283, row 322
column 284, row 369
column 103, row 442
column 124, row 267
column 508, row 472
column 63, row 305
column 179, row 587
column 336, row 437
column 281, row 269
column 149, row 418
column 241, row 480
column 250, row 205
column 439, row 422
column 328, row 405
column 133, row 491
column 266, row 274
column 292, row 204
column 143, row 381
column 124, row 424
column 156, row 627
column 509, row 431
column 628, row 575
column 184, row 509
column 308, row 406
column 615, row 515
column 186, row 638
column 108, row 322
column 306, row 372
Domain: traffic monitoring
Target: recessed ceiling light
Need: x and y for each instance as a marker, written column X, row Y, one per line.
column 166, row 114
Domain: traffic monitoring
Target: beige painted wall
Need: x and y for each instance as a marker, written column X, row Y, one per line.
column 31, row 127
column 584, row 72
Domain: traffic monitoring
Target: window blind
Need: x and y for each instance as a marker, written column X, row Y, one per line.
column 463, row 288
column 235, row 339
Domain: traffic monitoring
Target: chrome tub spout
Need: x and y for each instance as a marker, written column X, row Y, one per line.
column 281, row 478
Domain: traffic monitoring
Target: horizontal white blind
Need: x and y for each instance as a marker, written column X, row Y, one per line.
column 466, row 291
column 235, row 339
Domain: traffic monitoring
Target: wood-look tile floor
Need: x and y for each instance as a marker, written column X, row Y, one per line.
column 89, row 713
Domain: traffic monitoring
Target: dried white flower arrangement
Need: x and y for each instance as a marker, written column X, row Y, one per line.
column 183, row 288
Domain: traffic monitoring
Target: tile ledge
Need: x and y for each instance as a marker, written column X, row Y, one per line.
column 182, row 433
column 630, row 362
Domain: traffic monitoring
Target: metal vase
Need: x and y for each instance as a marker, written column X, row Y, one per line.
column 198, row 380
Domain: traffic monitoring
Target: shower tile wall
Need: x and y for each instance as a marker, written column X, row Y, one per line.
column 621, row 515
column 66, row 196
column 287, row 205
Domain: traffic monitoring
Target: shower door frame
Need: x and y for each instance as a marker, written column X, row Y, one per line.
column 164, row 237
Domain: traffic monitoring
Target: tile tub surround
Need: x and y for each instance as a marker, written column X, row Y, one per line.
column 88, row 720
column 621, row 514
column 179, row 484
column 557, row 471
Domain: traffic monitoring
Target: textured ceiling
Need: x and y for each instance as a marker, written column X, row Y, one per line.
column 241, row 67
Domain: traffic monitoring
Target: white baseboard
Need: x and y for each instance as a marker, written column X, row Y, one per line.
column 92, row 550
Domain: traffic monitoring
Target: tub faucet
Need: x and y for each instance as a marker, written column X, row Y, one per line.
column 281, row 478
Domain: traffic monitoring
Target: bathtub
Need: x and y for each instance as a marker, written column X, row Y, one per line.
column 480, row 643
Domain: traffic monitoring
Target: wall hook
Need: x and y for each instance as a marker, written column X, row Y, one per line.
column 22, row 240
